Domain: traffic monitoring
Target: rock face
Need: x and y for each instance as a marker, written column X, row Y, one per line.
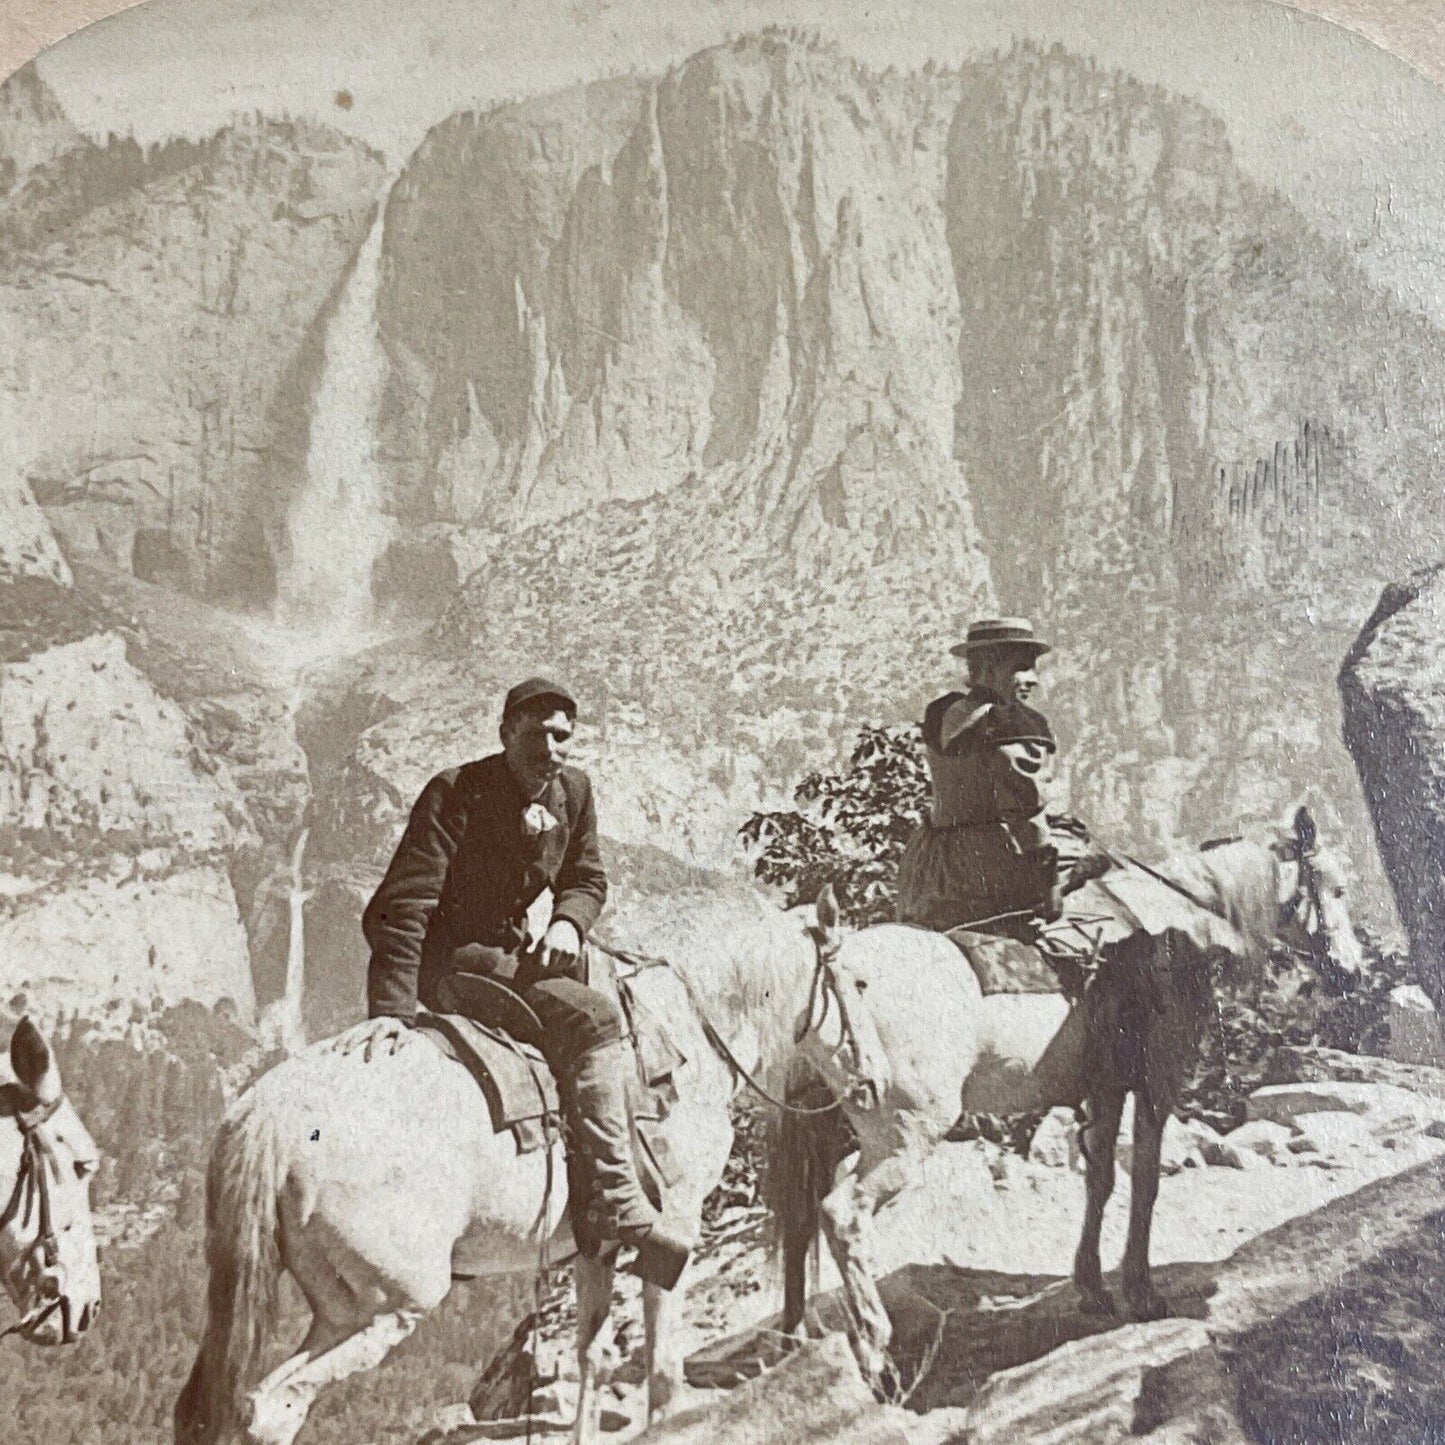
column 34, row 127
column 117, row 836
column 817, row 1394
column 86, row 743
column 737, row 390
column 156, row 933
column 27, row 545
column 731, row 393
column 159, row 313
column 1414, row 1028
column 1392, row 686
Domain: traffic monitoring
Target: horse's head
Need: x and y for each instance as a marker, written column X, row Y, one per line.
column 1314, row 914
column 48, row 1254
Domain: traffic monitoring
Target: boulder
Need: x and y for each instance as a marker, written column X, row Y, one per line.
column 1218, row 1151
column 1414, row 1028
column 1178, row 1149
column 1309, row 1064
column 1056, row 1141
column 1392, row 687
column 1261, row 1138
column 815, row 1394
column 1086, row 1389
column 1285, row 1103
column 1222, row 1153
column 1332, row 1133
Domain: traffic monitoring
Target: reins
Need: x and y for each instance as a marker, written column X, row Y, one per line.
column 719, row 1045
column 1127, row 860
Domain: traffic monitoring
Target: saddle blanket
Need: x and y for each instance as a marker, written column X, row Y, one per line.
column 1004, row 965
column 521, row 1091
column 1064, row 959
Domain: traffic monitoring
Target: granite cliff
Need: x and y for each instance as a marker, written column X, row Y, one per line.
column 731, row 393
column 158, row 318
column 734, row 392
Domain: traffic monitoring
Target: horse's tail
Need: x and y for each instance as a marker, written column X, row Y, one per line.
column 243, row 1257
column 806, row 1142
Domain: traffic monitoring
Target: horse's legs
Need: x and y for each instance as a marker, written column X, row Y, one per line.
column 593, row 1279
column 795, row 1280
column 664, row 1357
column 847, row 1217
column 1096, row 1138
column 1139, row 1296
column 281, row 1402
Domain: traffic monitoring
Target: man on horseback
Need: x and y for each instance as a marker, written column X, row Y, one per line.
column 449, row 924
column 989, row 852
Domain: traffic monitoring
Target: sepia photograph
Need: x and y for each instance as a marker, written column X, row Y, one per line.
column 722, row 722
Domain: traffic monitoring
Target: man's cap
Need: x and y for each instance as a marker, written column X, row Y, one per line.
column 1000, row 632
column 539, row 689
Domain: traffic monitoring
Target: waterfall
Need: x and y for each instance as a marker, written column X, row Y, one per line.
column 282, row 1025
column 336, row 526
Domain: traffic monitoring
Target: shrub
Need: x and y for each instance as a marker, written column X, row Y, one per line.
column 849, row 828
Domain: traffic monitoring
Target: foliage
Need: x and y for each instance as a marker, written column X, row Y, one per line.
column 849, row 828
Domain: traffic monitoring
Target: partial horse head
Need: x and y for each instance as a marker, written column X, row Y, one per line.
column 1314, row 914
column 47, row 1159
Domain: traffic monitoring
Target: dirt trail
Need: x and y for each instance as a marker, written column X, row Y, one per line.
column 1302, row 1286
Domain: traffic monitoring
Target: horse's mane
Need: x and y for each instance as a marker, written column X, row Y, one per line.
column 744, row 957
column 1238, row 879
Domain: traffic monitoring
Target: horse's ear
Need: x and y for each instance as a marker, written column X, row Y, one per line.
column 1305, row 829
column 33, row 1061
column 827, row 908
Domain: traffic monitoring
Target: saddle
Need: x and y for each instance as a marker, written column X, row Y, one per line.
column 1060, row 957
column 520, row 1088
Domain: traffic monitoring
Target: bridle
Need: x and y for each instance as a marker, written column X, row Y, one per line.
column 824, row 993
column 1303, row 902
column 31, row 1196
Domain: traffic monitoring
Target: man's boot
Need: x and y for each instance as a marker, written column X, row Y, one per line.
column 621, row 1210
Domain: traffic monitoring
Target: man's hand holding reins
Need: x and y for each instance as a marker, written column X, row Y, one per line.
column 561, row 947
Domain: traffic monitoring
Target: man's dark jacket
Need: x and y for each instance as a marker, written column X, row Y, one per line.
column 466, row 871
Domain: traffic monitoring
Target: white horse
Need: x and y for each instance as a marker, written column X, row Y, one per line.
column 375, row 1180
column 926, row 1045
column 47, row 1160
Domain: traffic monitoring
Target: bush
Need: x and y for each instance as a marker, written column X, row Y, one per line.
column 849, row 828
column 1293, row 1009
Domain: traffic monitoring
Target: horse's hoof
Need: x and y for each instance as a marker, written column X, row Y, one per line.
column 888, row 1384
column 1097, row 1304
column 1147, row 1307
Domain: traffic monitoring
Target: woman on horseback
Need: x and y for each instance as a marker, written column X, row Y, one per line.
column 989, row 853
